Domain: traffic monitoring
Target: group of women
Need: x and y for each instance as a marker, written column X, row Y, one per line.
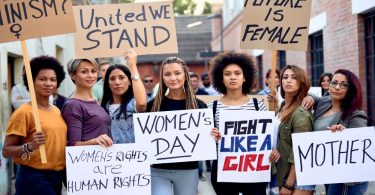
column 88, row 123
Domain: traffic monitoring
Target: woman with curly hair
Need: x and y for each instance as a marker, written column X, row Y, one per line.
column 22, row 141
column 233, row 76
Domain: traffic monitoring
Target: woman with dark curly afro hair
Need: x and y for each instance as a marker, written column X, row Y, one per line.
column 233, row 76
column 22, row 141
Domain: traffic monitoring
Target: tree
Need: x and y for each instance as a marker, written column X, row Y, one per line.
column 207, row 8
column 184, row 7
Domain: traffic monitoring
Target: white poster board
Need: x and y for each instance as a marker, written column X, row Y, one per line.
column 347, row 156
column 245, row 146
column 176, row 136
column 120, row 169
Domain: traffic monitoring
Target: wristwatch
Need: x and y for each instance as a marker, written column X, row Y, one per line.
column 135, row 77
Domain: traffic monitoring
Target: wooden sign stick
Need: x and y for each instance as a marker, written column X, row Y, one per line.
column 34, row 104
column 272, row 84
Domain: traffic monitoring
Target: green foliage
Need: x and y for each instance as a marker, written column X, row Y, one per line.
column 207, row 8
column 184, row 7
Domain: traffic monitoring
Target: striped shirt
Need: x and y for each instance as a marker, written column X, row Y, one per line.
column 247, row 106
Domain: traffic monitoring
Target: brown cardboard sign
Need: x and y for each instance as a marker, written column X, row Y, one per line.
column 275, row 24
column 108, row 30
column 26, row 19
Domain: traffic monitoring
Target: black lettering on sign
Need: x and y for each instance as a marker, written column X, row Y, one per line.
column 87, row 185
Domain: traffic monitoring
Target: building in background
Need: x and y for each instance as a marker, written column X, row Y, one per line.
column 190, row 39
column 341, row 35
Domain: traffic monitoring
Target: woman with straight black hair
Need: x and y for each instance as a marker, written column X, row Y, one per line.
column 123, row 95
column 341, row 109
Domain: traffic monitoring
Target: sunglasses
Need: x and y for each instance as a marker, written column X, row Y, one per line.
column 342, row 85
column 148, row 81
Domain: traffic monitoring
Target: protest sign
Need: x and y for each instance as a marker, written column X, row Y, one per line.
column 25, row 19
column 176, row 136
column 109, row 30
column 245, row 146
column 275, row 25
column 341, row 157
column 120, row 169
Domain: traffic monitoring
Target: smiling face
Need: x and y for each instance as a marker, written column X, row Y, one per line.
column 45, row 83
column 289, row 82
column 174, row 76
column 118, row 82
column 233, row 77
column 86, row 75
column 325, row 82
column 339, row 87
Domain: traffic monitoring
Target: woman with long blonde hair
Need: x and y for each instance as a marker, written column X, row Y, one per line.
column 174, row 178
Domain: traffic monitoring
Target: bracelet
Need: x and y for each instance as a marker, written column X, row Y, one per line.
column 288, row 187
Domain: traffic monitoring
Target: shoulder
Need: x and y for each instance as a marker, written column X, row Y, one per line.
column 302, row 113
column 359, row 114
column 24, row 109
column 201, row 104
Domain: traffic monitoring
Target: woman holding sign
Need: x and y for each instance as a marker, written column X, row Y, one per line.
column 123, row 95
column 88, row 123
column 174, row 178
column 340, row 110
column 22, row 141
column 233, row 76
column 293, row 118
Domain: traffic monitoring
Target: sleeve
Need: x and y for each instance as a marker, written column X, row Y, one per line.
column 73, row 116
column 261, row 105
column 201, row 104
column 149, row 105
column 19, row 124
column 358, row 119
column 16, row 98
column 301, row 122
column 131, row 107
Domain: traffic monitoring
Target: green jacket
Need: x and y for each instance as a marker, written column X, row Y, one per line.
column 301, row 121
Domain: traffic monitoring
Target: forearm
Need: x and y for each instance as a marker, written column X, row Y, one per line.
column 292, row 176
column 139, row 91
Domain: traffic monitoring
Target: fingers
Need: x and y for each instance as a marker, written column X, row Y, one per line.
column 38, row 139
column 335, row 128
column 274, row 156
column 307, row 103
column 131, row 57
column 104, row 141
column 216, row 134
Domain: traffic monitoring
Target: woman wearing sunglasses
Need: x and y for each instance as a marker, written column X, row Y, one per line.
column 340, row 110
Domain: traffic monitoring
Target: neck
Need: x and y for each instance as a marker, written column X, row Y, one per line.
column 288, row 99
column 336, row 105
column 43, row 102
column 117, row 99
column 177, row 94
column 83, row 93
column 234, row 95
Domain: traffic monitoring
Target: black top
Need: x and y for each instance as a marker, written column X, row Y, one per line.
column 170, row 105
column 201, row 92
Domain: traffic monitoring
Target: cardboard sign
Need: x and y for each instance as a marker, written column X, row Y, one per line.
column 109, row 30
column 245, row 146
column 176, row 136
column 120, row 169
column 275, row 25
column 341, row 157
column 26, row 19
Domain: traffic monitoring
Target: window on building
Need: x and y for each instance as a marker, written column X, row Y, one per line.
column 317, row 58
column 260, row 71
column 370, row 65
column 282, row 59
